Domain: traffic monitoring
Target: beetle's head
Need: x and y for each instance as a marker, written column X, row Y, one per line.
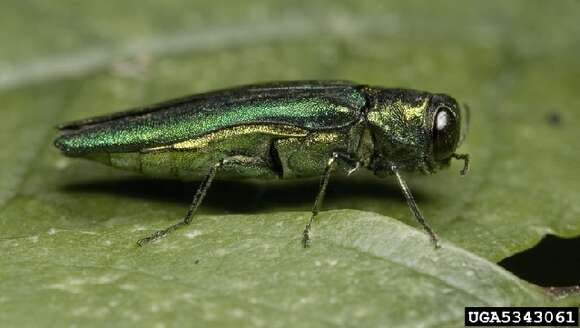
column 446, row 126
column 416, row 131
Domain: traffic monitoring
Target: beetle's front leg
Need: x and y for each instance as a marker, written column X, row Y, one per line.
column 330, row 165
column 414, row 208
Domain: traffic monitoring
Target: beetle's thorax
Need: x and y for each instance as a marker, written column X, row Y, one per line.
column 396, row 121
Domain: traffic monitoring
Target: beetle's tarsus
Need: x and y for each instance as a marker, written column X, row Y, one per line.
column 154, row 237
column 159, row 234
column 465, row 158
column 306, row 241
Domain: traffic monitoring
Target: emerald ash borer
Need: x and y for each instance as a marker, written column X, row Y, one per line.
column 278, row 130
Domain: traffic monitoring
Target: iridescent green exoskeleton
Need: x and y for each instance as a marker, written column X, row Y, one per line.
column 279, row 130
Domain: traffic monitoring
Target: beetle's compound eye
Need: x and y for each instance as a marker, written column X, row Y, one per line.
column 446, row 130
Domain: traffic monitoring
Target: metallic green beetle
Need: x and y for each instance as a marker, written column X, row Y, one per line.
column 277, row 130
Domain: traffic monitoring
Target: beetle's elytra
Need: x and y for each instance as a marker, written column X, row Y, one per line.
column 277, row 130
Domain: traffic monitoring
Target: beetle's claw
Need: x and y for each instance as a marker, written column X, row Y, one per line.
column 144, row 241
column 436, row 242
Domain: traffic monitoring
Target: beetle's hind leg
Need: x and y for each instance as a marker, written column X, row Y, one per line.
column 330, row 165
column 197, row 199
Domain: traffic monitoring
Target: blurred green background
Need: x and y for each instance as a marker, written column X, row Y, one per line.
column 68, row 227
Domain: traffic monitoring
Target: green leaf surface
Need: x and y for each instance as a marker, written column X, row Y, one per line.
column 68, row 227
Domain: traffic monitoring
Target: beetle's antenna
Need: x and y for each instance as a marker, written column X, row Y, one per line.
column 465, row 158
column 467, row 122
column 414, row 208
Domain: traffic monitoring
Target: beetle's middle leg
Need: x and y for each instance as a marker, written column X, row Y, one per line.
column 197, row 198
column 330, row 165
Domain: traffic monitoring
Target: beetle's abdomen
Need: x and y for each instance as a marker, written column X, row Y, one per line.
column 191, row 159
column 183, row 165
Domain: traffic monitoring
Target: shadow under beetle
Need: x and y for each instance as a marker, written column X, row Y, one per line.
column 278, row 130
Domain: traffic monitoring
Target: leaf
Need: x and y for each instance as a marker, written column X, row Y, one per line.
column 68, row 227
column 252, row 268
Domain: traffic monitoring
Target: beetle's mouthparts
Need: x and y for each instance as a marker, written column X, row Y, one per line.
column 465, row 158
